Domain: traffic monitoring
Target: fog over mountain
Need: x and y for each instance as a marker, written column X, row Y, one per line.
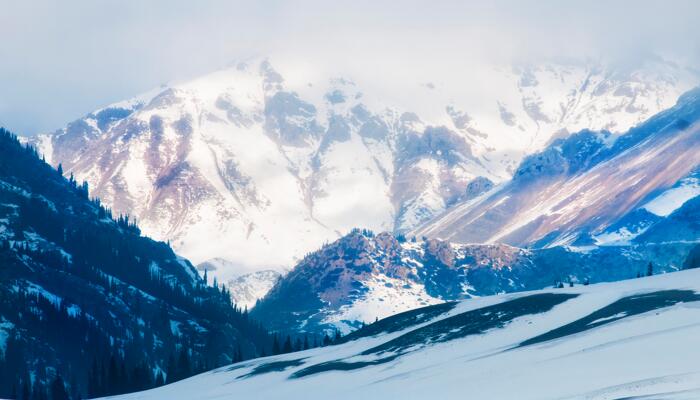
column 74, row 57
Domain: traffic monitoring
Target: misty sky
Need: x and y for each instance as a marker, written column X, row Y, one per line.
column 62, row 59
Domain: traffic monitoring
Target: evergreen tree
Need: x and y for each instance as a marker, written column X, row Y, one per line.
column 112, row 385
column 183, row 364
column 26, row 393
column 160, row 380
column 287, row 345
column 58, row 389
column 26, row 386
column 275, row 346
column 650, row 269
column 171, row 370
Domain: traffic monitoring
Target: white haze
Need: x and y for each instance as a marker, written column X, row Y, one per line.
column 63, row 59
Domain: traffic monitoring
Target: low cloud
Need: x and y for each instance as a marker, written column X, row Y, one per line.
column 63, row 59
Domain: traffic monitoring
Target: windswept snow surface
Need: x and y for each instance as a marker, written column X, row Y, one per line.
column 674, row 198
column 580, row 187
column 631, row 339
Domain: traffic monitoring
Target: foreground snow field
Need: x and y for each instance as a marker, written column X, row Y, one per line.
column 634, row 338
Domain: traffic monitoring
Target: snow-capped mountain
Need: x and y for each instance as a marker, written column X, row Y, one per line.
column 362, row 276
column 245, row 284
column 631, row 339
column 258, row 165
column 247, row 289
column 594, row 188
column 593, row 206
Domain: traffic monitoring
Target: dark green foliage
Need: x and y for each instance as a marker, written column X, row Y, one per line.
column 693, row 260
column 287, row 345
column 96, row 308
column 58, row 389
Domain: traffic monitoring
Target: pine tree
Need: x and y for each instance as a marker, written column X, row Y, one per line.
column 650, row 269
column 160, row 381
column 275, row 346
column 26, row 394
column 287, row 345
column 306, row 342
column 112, row 384
column 171, row 370
column 26, row 388
column 183, row 364
column 58, row 389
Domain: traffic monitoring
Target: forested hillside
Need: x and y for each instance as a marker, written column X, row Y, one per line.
column 88, row 306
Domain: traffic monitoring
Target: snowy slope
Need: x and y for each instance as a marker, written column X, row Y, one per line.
column 626, row 339
column 578, row 189
column 258, row 164
column 247, row 289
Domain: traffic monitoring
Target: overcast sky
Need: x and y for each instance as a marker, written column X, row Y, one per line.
column 62, row 59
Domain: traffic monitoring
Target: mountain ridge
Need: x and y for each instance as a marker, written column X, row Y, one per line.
column 214, row 154
column 362, row 276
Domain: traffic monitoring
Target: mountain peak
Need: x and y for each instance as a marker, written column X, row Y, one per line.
column 260, row 152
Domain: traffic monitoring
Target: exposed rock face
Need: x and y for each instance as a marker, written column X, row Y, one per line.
column 363, row 276
column 478, row 186
column 249, row 166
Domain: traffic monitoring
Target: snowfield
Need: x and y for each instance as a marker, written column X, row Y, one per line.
column 629, row 339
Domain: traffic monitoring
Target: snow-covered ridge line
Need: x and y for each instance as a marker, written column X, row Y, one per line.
column 232, row 164
column 582, row 190
column 364, row 276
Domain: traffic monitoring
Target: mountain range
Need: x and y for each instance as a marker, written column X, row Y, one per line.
column 256, row 165
column 397, row 224
column 591, row 207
